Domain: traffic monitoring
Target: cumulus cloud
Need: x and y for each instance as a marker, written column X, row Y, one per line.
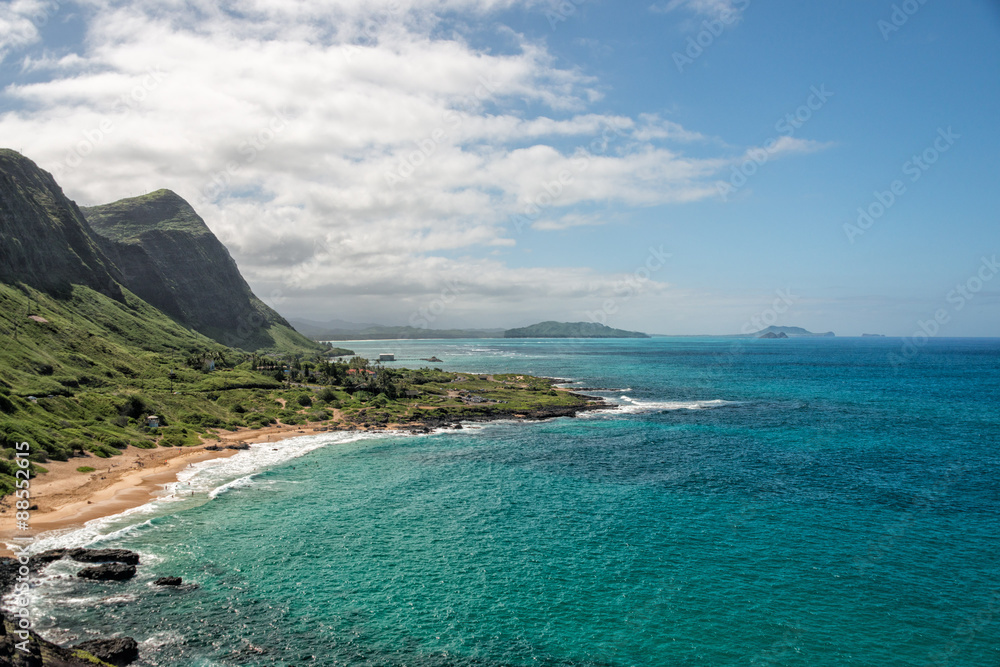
column 19, row 23
column 350, row 148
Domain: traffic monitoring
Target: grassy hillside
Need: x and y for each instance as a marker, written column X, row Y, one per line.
column 78, row 371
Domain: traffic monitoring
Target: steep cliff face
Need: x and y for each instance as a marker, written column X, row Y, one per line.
column 168, row 256
column 45, row 241
column 156, row 246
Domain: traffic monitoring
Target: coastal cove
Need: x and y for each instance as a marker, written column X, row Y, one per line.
column 680, row 528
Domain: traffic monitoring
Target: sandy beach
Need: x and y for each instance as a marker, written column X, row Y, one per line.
column 67, row 499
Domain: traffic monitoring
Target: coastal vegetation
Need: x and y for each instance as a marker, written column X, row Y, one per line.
column 141, row 332
column 92, row 396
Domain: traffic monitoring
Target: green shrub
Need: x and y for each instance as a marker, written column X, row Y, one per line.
column 133, row 407
column 85, row 469
column 305, row 400
column 101, row 450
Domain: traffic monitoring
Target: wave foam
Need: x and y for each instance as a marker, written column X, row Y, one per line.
column 630, row 406
column 195, row 484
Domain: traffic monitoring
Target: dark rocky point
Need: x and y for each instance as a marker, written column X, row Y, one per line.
column 108, row 572
column 119, row 652
column 168, row 581
column 39, row 653
column 104, row 556
column 50, row 556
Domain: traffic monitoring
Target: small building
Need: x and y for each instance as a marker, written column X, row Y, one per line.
column 152, row 421
column 387, row 357
column 412, row 393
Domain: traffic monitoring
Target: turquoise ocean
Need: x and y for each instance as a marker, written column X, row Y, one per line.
column 750, row 502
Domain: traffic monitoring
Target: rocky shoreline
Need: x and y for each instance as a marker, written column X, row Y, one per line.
column 23, row 647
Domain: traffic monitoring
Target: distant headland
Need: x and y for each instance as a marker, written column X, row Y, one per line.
column 571, row 330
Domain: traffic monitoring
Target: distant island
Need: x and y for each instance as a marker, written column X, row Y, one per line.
column 571, row 330
column 785, row 332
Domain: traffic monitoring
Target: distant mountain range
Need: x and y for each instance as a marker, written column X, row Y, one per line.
column 336, row 330
column 340, row 330
column 571, row 330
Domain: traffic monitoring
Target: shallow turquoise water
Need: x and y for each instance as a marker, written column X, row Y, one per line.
column 793, row 502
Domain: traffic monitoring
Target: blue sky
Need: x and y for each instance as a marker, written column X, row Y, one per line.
column 494, row 163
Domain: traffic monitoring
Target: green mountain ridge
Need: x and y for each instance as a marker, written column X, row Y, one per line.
column 169, row 257
column 45, row 242
column 571, row 330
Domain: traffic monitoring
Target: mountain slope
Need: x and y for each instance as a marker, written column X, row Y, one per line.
column 45, row 241
column 571, row 330
column 169, row 257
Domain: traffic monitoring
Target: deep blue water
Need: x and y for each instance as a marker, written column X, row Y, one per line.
column 800, row 502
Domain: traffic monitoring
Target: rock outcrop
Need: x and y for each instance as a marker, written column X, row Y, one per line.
column 108, row 572
column 104, row 556
column 168, row 581
column 82, row 555
column 120, row 651
column 30, row 650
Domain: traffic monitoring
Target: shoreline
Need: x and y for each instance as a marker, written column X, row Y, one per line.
column 66, row 499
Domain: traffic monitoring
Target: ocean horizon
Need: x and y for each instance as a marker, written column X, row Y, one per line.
column 748, row 502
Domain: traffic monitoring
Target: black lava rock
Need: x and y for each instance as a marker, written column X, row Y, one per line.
column 119, row 652
column 108, row 572
column 168, row 581
column 104, row 556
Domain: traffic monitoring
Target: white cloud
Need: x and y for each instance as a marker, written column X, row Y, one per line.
column 711, row 8
column 569, row 221
column 348, row 148
column 19, row 23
